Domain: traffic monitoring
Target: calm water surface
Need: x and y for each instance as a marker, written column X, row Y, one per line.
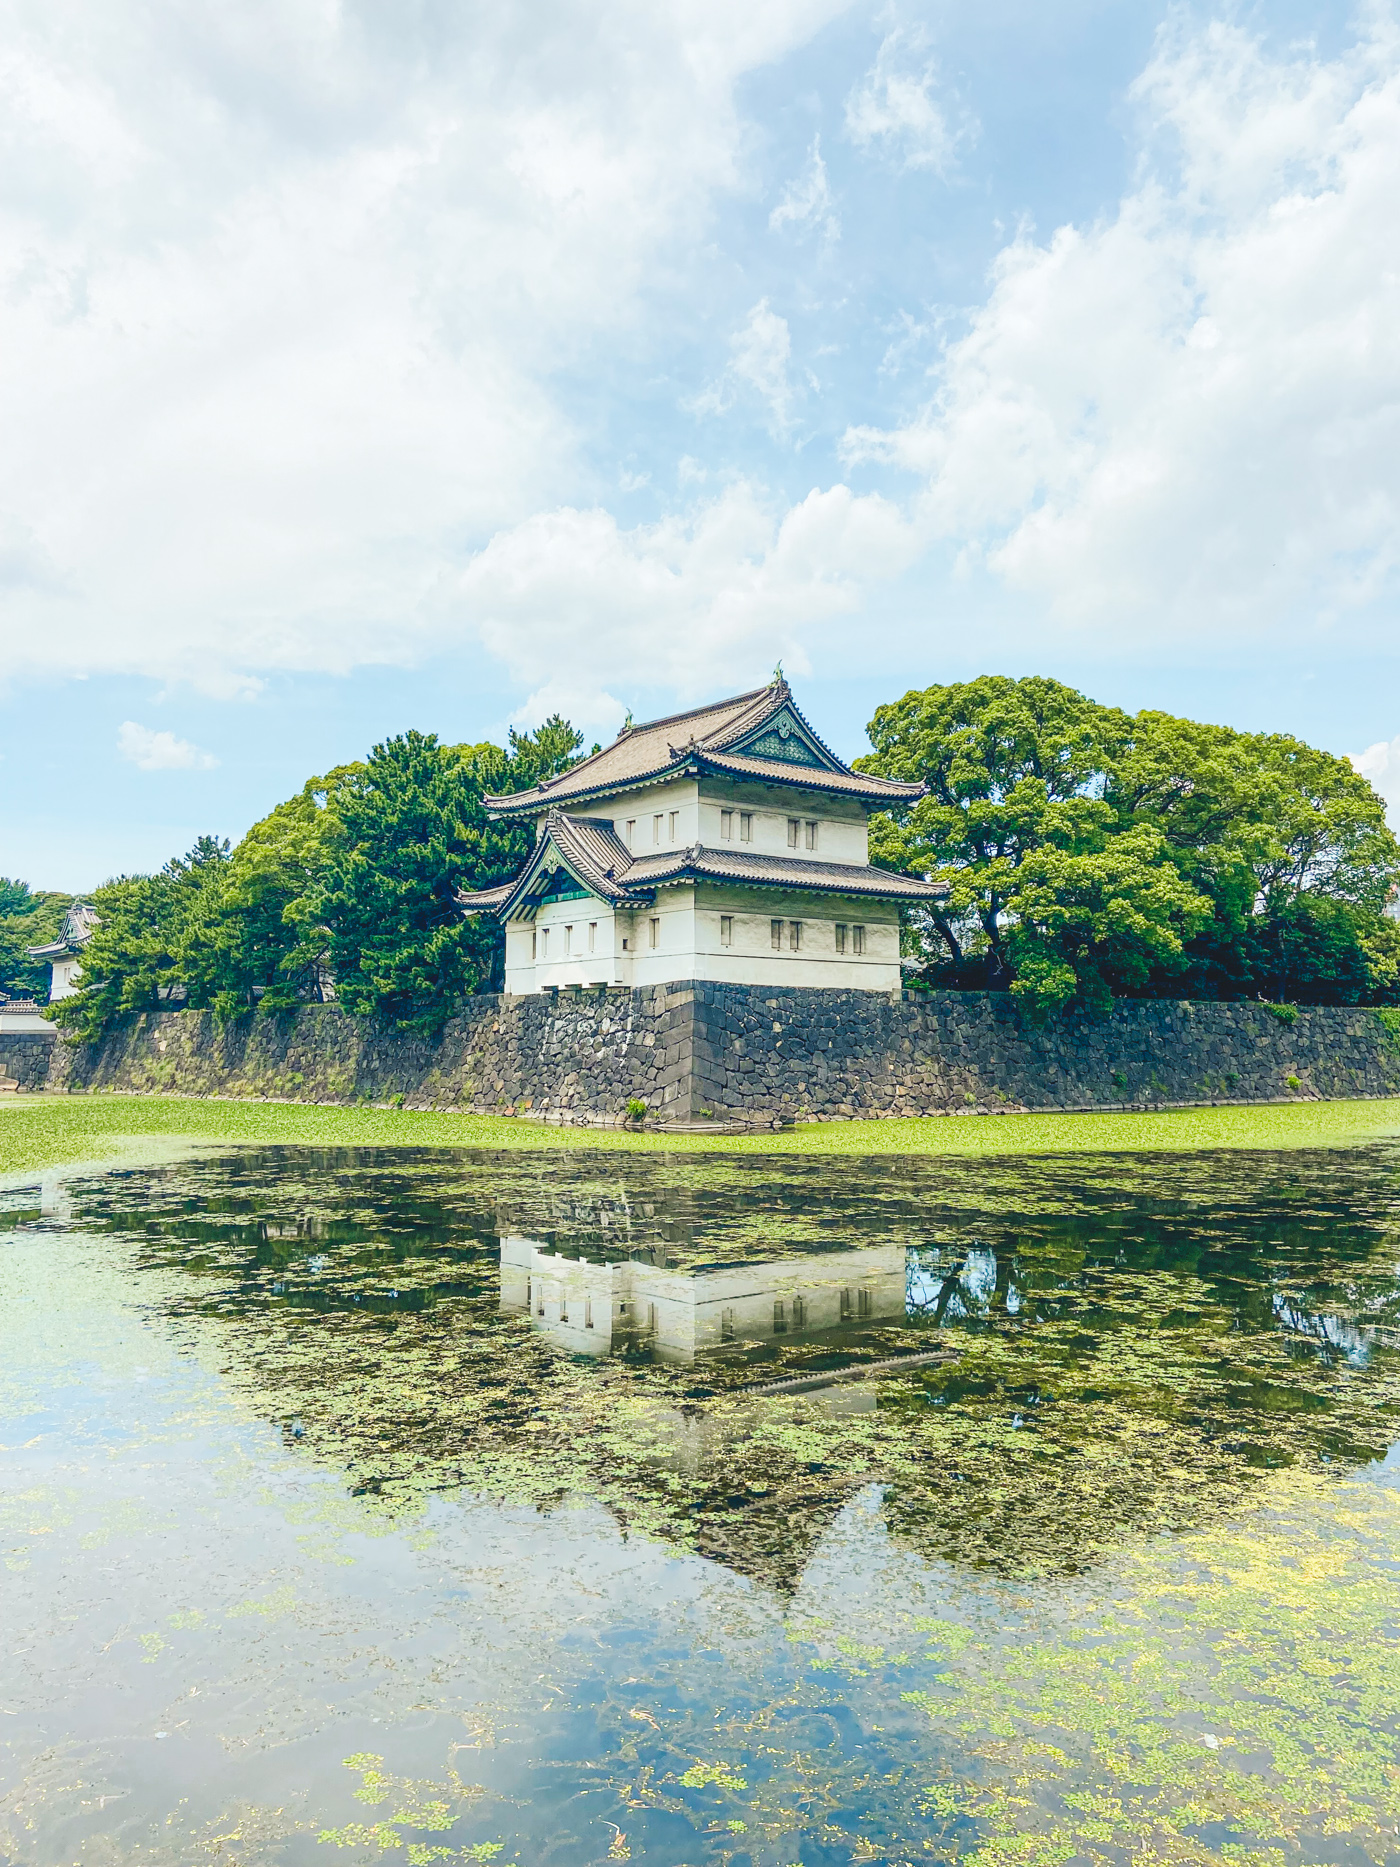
column 405, row 1507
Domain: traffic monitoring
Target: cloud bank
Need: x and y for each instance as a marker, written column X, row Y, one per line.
column 1187, row 418
column 160, row 751
column 287, row 291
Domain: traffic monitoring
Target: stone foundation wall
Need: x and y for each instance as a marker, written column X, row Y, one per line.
column 25, row 1057
column 852, row 1055
column 759, row 1054
column 580, row 1055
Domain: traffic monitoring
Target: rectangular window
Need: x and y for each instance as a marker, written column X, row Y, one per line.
column 529, row 1293
column 794, row 831
column 656, row 824
column 563, row 1306
column 654, row 928
column 794, row 936
column 544, row 943
column 568, row 941
column 726, row 930
column 780, row 1317
column 865, row 1303
column 811, row 835
column 592, row 935
column 745, row 826
column 631, row 830
column 539, row 1311
column 534, row 941
column 588, row 1312
column 840, row 936
column 675, row 824
column 726, row 1325
column 726, row 825
column 775, row 929
column 651, row 1319
column 857, row 939
column 799, row 1312
column 848, row 1305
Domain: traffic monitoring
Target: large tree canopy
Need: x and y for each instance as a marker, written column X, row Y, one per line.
column 348, row 886
column 1091, row 852
column 27, row 919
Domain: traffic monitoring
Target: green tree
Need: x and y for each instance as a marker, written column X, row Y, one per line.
column 415, row 832
column 150, row 948
column 1291, row 845
column 1017, row 825
column 271, row 943
column 1088, row 852
column 27, row 919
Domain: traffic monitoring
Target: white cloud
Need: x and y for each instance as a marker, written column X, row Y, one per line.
column 1380, row 764
column 806, row 204
column 759, row 354
column 153, row 751
column 1188, row 415
column 568, row 599
column 894, row 107
column 286, row 289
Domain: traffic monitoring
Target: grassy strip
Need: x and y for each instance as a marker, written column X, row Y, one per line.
column 47, row 1131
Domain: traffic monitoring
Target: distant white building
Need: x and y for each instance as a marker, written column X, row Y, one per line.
column 593, row 1308
column 21, row 1014
column 64, row 954
column 728, row 843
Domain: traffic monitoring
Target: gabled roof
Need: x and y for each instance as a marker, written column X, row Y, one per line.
column 74, row 935
column 585, row 848
column 589, row 850
column 760, row 735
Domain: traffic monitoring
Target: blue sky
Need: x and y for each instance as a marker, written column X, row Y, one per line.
column 443, row 365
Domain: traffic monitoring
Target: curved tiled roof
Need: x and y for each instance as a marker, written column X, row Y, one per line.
column 745, row 867
column 848, row 783
column 592, row 852
column 642, row 754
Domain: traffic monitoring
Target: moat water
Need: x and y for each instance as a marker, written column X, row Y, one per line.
column 404, row 1506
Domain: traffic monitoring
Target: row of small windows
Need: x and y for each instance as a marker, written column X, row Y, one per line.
column 802, row 832
column 854, row 1303
column 660, row 819
column 848, row 938
column 539, row 939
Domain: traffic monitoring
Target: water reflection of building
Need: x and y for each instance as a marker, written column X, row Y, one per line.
column 594, row 1307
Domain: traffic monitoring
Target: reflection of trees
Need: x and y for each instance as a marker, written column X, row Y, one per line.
column 1136, row 1344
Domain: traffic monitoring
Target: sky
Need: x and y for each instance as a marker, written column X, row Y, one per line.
column 445, row 365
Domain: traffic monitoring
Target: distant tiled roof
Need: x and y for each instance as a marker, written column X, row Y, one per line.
column 74, row 935
column 704, row 737
column 593, row 853
column 848, row 783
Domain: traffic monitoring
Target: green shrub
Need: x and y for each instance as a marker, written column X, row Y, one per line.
column 636, row 1109
column 1294, row 1083
column 1286, row 1014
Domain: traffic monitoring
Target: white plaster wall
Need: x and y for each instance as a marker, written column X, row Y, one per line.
column 841, row 823
column 842, row 833
column 751, row 960
column 579, row 965
column 64, row 980
column 588, row 1308
column 643, row 806
column 689, row 944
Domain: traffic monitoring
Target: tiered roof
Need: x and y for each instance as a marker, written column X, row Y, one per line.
column 761, row 735
column 590, row 850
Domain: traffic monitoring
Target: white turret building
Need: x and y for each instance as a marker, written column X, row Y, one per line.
column 728, row 843
column 64, row 955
